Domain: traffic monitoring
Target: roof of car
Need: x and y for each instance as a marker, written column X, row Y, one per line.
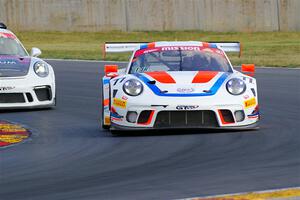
column 5, row 31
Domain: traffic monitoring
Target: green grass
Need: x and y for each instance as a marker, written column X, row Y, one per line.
column 262, row 49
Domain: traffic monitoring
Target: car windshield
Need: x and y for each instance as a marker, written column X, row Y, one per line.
column 9, row 45
column 179, row 59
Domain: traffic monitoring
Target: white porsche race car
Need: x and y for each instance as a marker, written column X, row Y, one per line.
column 178, row 85
column 25, row 81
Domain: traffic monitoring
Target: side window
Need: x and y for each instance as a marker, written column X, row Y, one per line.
column 13, row 48
column 2, row 46
column 10, row 47
column 134, row 65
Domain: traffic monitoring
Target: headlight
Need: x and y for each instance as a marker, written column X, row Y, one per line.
column 236, row 86
column 133, row 87
column 41, row 69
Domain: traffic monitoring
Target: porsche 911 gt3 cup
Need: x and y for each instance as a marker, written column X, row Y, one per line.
column 178, row 85
column 25, row 81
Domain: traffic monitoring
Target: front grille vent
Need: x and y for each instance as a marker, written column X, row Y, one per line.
column 227, row 116
column 12, row 98
column 199, row 118
column 43, row 93
column 144, row 116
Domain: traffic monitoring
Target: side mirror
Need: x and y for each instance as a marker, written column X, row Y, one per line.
column 248, row 69
column 35, row 52
column 111, row 70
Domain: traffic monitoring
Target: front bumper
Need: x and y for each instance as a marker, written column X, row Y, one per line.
column 21, row 93
column 169, row 117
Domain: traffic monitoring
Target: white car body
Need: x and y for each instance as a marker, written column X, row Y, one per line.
column 176, row 99
column 20, row 86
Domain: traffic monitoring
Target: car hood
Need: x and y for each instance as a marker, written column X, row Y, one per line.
column 14, row 66
column 184, row 83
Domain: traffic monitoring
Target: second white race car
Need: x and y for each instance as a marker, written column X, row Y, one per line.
column 25, row 81
column 178, row 85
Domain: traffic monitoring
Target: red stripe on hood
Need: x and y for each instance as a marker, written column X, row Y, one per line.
column 204, row 76
column 162, row 77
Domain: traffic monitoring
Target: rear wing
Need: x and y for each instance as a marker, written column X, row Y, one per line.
column 229, row 46
column 121, row 47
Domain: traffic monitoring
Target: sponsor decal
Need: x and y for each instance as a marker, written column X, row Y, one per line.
column 186, row 107
column 255, row 113
column 246, row 96
column 116, row 116
column 12, row 134
column 151, row 50
column 116, row 119
column 182, row 48
column 119, row 103
column 7, row 88
column 185, row 90
column 253, row 116
column 107, row 120
column 8, row 62
column 250, row 103
column 124, row 98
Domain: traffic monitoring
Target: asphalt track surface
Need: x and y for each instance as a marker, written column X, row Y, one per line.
column 71, row 157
